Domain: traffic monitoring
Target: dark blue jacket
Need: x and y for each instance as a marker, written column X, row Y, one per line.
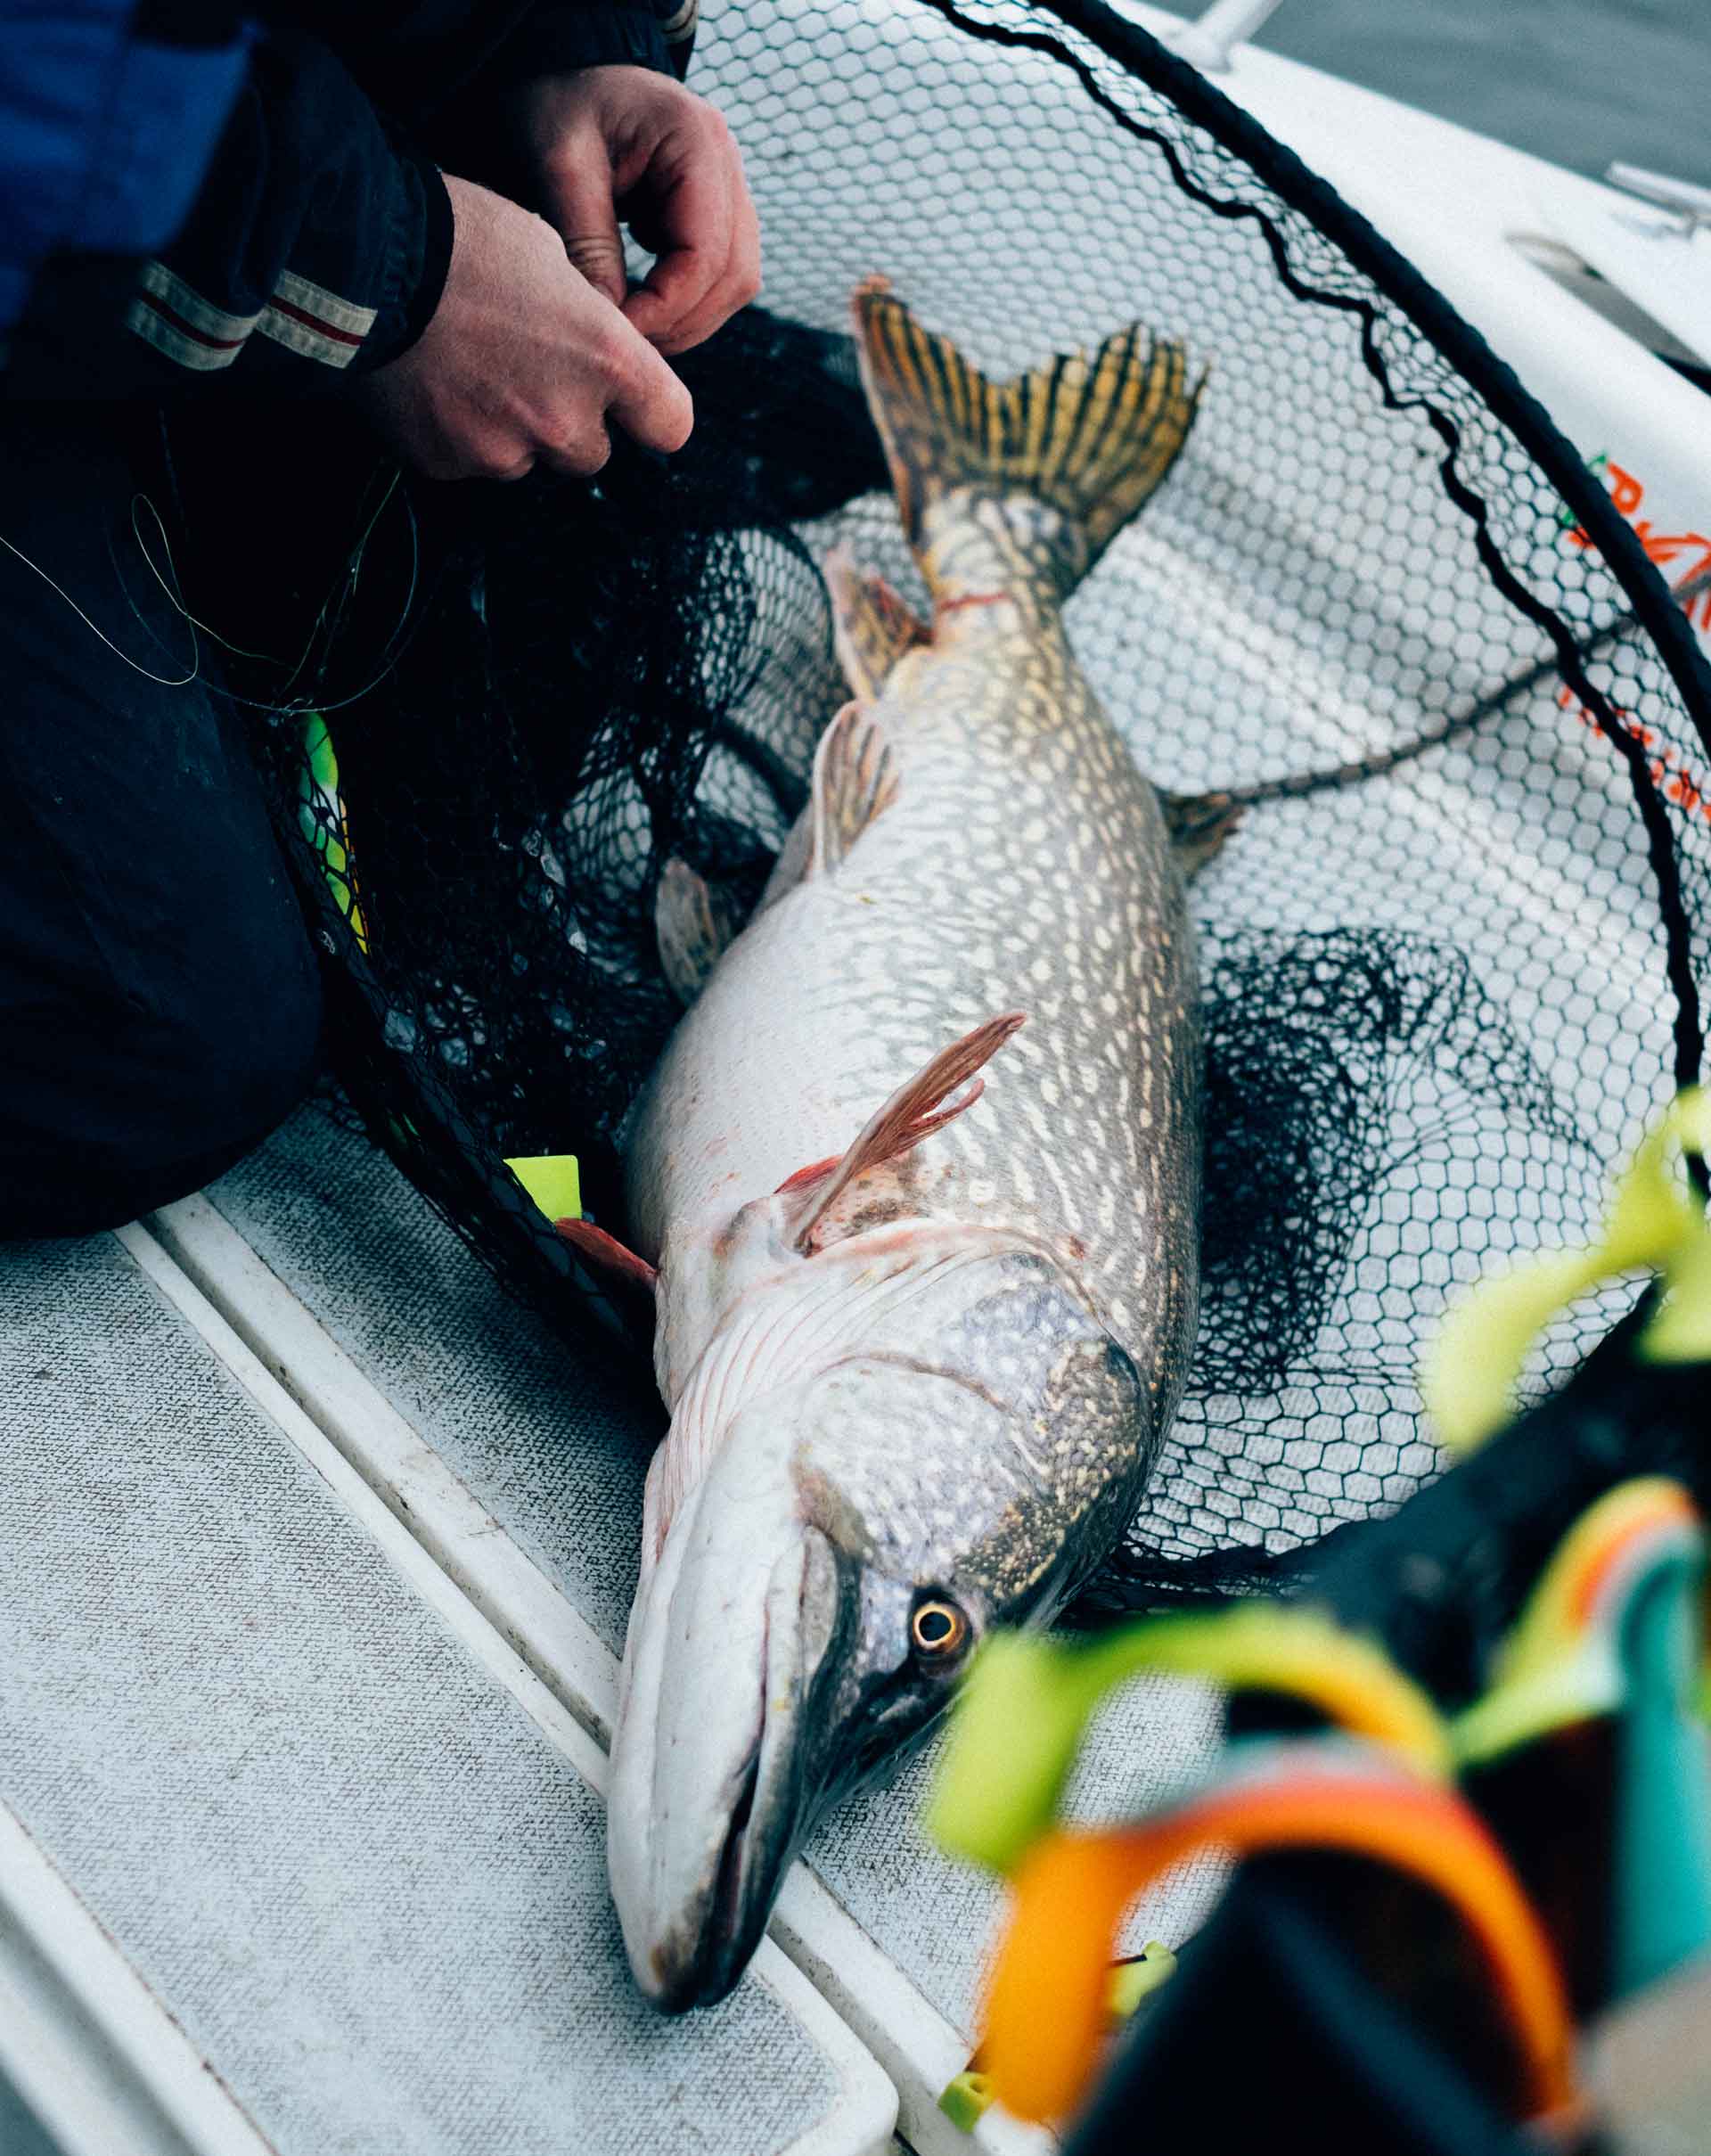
column 194, row 193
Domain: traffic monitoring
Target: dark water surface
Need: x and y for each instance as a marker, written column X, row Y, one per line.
column 1578, row 81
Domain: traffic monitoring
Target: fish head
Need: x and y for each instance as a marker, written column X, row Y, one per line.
column 821, row 1589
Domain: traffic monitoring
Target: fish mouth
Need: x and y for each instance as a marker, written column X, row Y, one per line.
column 701, row 1959
column 709, row 1780
column 728, row 1898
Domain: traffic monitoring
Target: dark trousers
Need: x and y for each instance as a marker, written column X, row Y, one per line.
column 160, row 1004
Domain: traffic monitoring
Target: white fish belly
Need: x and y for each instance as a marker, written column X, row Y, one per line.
column 1023, row 865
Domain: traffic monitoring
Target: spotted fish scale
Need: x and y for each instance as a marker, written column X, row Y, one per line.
column 918, row 1172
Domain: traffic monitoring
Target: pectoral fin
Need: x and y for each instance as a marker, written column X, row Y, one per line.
column 854, row 782
column 871, row 627
column 694, row 923
column 607, row 1258
column 935, row 1096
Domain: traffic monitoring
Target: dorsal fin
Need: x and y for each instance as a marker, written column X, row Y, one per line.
column 936, row 1095
column 871, row 627
column 854, row 780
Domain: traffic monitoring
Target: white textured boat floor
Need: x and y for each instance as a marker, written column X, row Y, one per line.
column 367, row 1887
column 555, row 1444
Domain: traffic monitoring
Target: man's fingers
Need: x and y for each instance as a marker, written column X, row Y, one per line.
column 737, row 284
column 708, row 239
column 585, row 453
column 578, row 184
column 687, row 222
column 745, row 252
column 524, row 360
column 486, row 460
column 647, row 399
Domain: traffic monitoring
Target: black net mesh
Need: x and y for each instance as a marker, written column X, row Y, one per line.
column 1440, row 1001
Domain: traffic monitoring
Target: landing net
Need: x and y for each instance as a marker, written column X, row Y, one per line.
column 1440, row 1003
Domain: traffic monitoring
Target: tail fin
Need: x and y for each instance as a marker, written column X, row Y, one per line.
column 1090, row 438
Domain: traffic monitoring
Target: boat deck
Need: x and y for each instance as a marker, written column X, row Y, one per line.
column 319, row 1554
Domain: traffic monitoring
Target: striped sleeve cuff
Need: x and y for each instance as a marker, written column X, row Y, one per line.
column 170, row 314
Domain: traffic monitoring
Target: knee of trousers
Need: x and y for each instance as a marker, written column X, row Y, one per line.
column 104, row 1116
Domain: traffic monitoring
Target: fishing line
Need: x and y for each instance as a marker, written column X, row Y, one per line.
column 394, row 644
column 772, row 769
column 174, row 597
column 163, row 681
column 283, row 705
column 1384, row 760
column 326, row 620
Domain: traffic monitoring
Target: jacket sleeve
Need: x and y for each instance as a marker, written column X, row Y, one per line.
column 317, row 242
column 319, row 238
column 438, row 59
column 120, row 97
column 554, row 39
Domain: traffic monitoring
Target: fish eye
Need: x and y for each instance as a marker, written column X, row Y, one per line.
column 938, row 1628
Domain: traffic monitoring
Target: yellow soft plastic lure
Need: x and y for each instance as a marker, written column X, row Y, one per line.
column 1028, row 1699
column 1656, row 1224
column 1129, row 1985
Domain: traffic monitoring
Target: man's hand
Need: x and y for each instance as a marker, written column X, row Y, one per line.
column 624, row 142
column 525, row 358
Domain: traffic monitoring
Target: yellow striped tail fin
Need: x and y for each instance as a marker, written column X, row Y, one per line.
column 1089, row 436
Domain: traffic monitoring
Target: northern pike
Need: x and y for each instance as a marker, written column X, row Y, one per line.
column 915, row 1184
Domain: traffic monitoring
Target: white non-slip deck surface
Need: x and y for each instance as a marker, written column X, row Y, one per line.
column 555, row 1443
column 358, row 1875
